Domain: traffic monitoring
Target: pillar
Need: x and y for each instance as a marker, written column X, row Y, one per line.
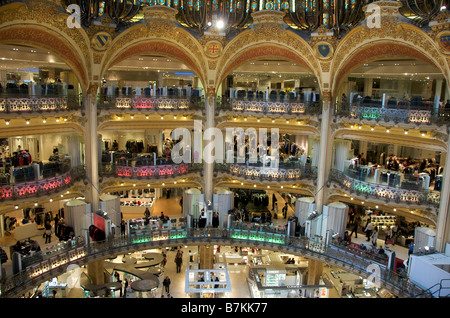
column 159, row 83
column 341, row 149
column 2, row 225
column 208, row 168
column 323, row 167
column 443, row 222
column 73, row 147
column 368, row 84
column 95, row 271
column 315, row 269
column 206, row 257
column 91, row 138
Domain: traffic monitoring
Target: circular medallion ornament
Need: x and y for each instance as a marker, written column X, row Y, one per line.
column 443, row 39
column 101, row 40
column 324, row 50
column 213, row 49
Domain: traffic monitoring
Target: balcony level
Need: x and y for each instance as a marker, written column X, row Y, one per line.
column 39, row 269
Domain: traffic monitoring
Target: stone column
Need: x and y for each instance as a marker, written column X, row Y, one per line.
column 208, row 168
column 2, row 225
column 315, row 269
column 443, row 221
column 95, row 272
column 325, row 149
column 206, row 257
column 91, row 139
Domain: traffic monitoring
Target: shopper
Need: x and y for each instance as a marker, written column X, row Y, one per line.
column 164, row 260
column 178, row 261
column 355, row 227
column 122, row 227
column 166, row 284
column 147, row 213
column 285, row 209
column 3, row 259
column 47, row 231
column 275, row 211
column 215, row 220
column 125, row 288
column 368, row 230
column 375, row 236
column 388, row 237
column 394, row 231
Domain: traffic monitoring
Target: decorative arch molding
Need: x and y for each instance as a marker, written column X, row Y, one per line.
column 248, row 184
column 423, row 216
column 42, row 130
column 377, row 137
column 363, row 45
column 310, row 129
column 162, row 39
column 43, row 24
column 250, row 45
column 129, row 185
column 112, row 124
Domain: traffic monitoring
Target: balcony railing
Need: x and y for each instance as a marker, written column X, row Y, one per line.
column 285, row 171
column 141, row 103
column 262, row 236
column 150, row 171
column 384, row 192
column 41, row 187
column 46, row 103
column 284, row 106
column 402, row 113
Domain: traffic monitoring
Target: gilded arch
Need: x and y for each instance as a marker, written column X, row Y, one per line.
column 45, row 40
column 159, row 38
column 363, row 44
column 44, row 25
column 250, row 45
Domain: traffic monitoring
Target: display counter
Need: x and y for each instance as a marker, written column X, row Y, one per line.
column 135, row 206
column 280, row 283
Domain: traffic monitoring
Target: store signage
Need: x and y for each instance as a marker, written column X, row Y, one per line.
column 99, row 222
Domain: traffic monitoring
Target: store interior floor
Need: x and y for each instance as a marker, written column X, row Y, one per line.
column 238, row 273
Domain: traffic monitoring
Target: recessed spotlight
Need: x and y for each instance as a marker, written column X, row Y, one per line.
column 6, row 122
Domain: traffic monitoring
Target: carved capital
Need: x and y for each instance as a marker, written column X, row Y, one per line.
column 92, row 89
